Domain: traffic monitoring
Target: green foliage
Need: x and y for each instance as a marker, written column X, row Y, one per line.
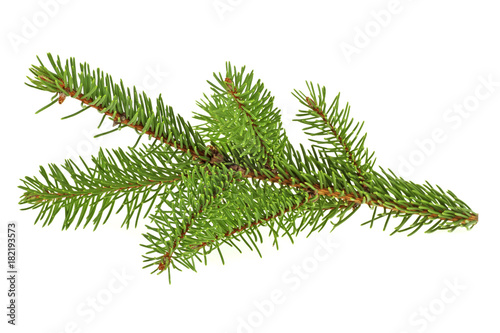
column 216, row 206
column 241, row 118
column 89, row 193
column 332, row 130
column 439, row 209
column 221, row 183
column 126, row 107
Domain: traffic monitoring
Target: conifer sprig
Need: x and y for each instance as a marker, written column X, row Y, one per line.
column 339, row 136
column 220, row 183
column 89, row 193
column 241, row 117
column 96, row 89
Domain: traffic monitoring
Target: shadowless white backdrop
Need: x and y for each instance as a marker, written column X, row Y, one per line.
column 423, row 75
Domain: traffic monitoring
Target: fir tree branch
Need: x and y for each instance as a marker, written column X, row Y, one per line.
column 229, row 212
column 347, row 148
column 248, row 177
column 241, row 118
column 335, row 128
column 253, row 224
column 89, row 191
column 122, row 120
column 309, row 200
column 97, row 90
column 359, row 199
column 167, row 257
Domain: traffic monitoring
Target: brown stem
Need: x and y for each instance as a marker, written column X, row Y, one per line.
column 70, row 195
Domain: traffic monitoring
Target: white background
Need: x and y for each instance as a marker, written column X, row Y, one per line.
column 406, row 80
